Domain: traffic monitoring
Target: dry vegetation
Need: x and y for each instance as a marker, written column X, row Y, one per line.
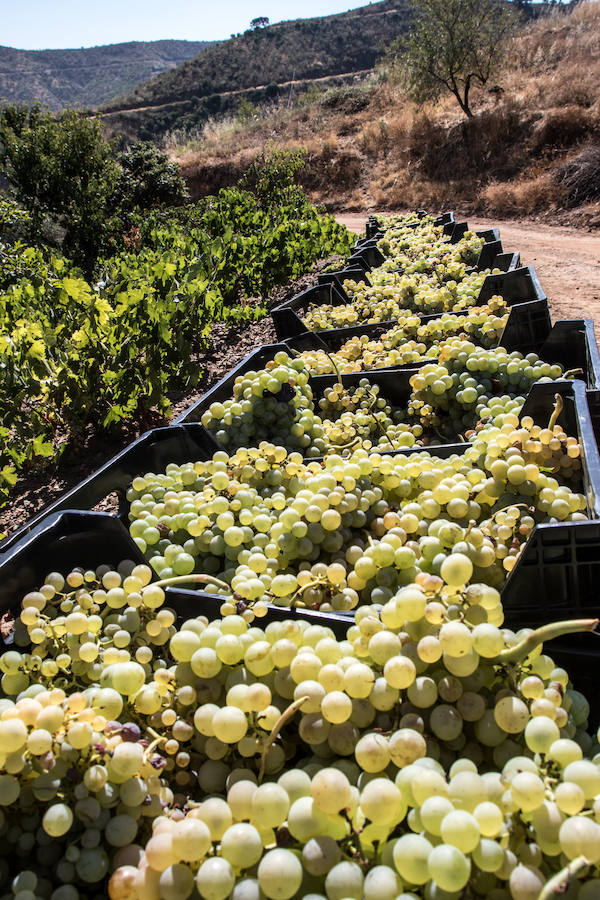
column 532, row 148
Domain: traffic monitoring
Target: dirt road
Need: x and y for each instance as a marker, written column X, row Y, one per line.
column 567, row 261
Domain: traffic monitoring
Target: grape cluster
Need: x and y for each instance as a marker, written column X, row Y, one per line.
column 466, row 385
column 467, row 382
column 400, row 220
column 351, row 530
column 391, row 296
column 277, row 403
column 365, row 418
column 410, row 340
column 427, row 250
column 427, row 753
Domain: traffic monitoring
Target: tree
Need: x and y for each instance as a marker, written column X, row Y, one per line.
column 73, row 184
column 451, row 45
column 259, row 22
column 147, row 179
column 61, row 170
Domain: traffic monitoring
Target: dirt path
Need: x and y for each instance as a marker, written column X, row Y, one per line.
column 567, row 261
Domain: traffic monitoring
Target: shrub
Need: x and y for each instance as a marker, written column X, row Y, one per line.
column 562, row 129
column 581, row 176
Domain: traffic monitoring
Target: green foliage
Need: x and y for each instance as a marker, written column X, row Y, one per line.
column 452, row 45
column 68, row 177
column 74, row 353
column 147, row 179
column 246, row 111
column 61, row 169
column 272, row 176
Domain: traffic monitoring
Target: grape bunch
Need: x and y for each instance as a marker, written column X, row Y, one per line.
column 362, row 417
column 274, row 403
column 420, row 248
column 466, row 382
column 466, row 385
column 277, row 403
column 392, row 296
column 411, row 341
column 400, row 220
column 346, row 531
column 429, row 752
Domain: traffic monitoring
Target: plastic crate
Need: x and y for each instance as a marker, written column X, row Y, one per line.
column 74, row 538
column 570, row 343
column 156, row 448
column 507, row 261
column 188, row 602
column 492, row 256
column 573, row 346
column 518, row 285
column 527, row 328
column 58, row 543
column 337, row 278
column 373, row 226
column 446, row 218
column 369, row 257
column 562, row 560
column 460, row 228
column 394, row 386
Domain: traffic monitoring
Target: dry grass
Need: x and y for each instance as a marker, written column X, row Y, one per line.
column 369, row 147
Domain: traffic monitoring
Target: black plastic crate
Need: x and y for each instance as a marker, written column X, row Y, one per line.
column 506, row 262
column 159, row 447
column 570, row 343
column 560, row 561
column 367, row 255
column 446, row 218
column 373, row 225
column 337, row 278
column 526, row 330
column 188, row 602
column 58, row 543
column 515, row 286
column 370, row 257
column 593, row 397
column 73, row 538
column 460, row 228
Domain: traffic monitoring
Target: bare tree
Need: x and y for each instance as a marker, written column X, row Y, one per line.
column 452, row 45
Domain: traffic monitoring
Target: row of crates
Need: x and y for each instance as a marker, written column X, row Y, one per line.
column 557, row 574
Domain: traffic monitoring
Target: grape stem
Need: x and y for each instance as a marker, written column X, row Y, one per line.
column 540, row 636
column 559, row 883
column 558, row 408
column 182, row 579
column 283, row 718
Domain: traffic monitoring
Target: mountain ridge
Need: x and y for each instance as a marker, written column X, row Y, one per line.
column 71, row 76
column 261, row 60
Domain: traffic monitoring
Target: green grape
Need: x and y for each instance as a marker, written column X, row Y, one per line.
column 448, row 867
column 241, row 845
column 279, row 874
column 344, row 880
column 215, row 879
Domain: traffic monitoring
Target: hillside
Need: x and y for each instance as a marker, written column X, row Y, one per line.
column 532, row 149
column 87, row 77
column 256, row 65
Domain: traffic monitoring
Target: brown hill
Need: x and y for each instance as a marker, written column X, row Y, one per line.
column 532, row 148
column 258, row 66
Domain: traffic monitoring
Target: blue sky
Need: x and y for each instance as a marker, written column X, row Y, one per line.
column 39, row 24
